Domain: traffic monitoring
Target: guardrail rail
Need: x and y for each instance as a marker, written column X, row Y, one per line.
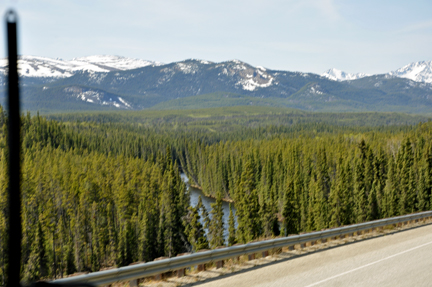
column 143, row 270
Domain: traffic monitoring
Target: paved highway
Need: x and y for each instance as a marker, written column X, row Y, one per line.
column 401, row 259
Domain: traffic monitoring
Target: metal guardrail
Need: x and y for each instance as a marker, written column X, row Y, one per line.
column 143, row 270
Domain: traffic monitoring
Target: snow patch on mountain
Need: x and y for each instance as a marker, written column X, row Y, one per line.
column 338, row 75
column 34, row 66
column 416, row 71
column 251, row 79
column 187, row 68
column 315, row 90
column 97, row 97
column 109, row 62
column 251, row 84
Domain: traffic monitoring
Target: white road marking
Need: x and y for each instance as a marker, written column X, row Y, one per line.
column 369, row 264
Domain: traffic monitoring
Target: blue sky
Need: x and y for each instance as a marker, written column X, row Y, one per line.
column 307, row 35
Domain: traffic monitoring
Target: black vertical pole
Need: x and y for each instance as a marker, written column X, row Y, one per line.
column 14, row 163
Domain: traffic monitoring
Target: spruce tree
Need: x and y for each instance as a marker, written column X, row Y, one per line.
column 322, row 191
column 336, row 197
column 311, row 224
column 422, row 196
column 36, row 267
column 360, row 186
column 249, row 224
column 216, row 226
column 390, row 191
column 428, row 175
column 372, row 210
column 231, row 228
column 288, row 211
column 195, row 230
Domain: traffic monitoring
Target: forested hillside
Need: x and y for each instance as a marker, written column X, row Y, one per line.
column 312, row 182
column 103, row 190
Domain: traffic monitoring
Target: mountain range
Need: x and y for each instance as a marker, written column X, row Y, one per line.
column 113, row 82
column 416, row 71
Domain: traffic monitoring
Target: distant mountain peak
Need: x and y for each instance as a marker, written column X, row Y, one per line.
column 417, row 71
column 43, row 67
column 338, row 75
column 420, row 71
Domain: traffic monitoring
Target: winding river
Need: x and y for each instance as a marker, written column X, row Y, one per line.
column 195, row 193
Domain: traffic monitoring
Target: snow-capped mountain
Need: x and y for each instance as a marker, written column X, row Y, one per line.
column 112, row 82
column 338, row 75
column 42, row 67
column 417, row 71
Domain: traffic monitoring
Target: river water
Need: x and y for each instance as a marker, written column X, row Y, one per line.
column 195, row 193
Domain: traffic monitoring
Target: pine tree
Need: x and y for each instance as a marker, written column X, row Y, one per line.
column 322, row 192
column 311, row 224
column 204, row 214
column 360, row 186
column 372, row 211
column 37, row 267
column 231, row 228
column 289, row 212
column 422, row 196
column 95, row 260
column 216, row 226
column 407, row 188
column 390, row 191
column 195, row 231
column 428, row 175
column 249, row 224
column 336, row 197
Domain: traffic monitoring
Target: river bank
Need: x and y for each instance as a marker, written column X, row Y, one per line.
column 195, row 193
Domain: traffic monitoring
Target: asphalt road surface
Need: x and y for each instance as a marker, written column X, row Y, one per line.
column 401, row 259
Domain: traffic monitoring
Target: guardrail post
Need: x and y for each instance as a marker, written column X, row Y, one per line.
column 302, row 245
column 181, row 272
column 251, row 256
column 159, row 277
column 220, row 263
column 134, row 282
column 291, row 247
column 265, row 254
column 202, row 267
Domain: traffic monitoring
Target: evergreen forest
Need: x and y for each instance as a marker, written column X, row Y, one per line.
column 102, row 191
